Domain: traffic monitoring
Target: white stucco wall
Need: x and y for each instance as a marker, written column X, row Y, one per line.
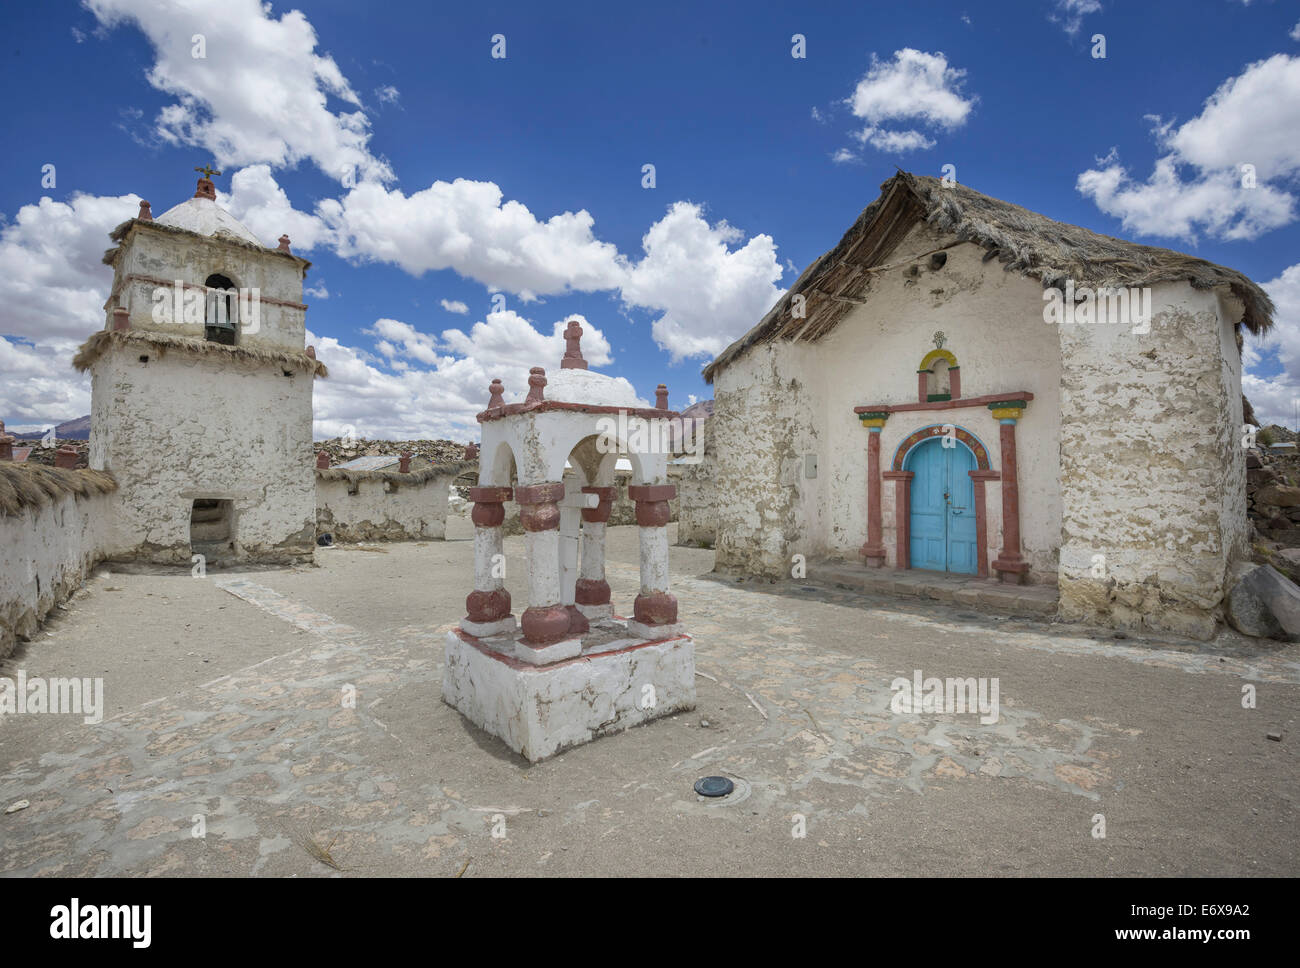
column 994, row 326
column 181, row 427
column 1152, row 467
column 45, row 553
column 780, row 403
column 382, row 511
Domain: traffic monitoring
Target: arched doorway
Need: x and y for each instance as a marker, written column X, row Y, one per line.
column 942, row 525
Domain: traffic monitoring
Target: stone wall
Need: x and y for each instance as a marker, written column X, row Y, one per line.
column 374, row 507
column 46, row 552
column 1152, row 466
column 697, row 524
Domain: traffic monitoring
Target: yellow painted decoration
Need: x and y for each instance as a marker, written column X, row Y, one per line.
column 937, row 355
column 1004, row 413
column 874, row 422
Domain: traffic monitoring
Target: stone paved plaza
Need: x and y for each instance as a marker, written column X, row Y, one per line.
column 225, row 702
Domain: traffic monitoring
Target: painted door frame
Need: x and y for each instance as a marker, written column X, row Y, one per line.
column 903, row 484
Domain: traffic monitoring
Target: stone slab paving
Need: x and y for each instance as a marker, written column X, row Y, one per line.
column 322, row 747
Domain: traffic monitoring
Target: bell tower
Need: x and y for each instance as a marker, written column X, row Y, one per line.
column 201, row 399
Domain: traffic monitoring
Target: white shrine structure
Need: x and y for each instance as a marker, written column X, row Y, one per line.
column 569, row 670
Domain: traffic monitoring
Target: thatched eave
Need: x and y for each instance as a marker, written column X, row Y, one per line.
column 94, row 347
column 1023, row 241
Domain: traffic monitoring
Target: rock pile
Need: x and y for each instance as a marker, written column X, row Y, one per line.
column 1272, row 497
column 343, row 449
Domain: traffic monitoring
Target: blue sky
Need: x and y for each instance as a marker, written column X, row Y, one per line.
column 416, row 170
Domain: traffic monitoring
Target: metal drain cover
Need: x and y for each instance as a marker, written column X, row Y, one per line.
column 713, row 786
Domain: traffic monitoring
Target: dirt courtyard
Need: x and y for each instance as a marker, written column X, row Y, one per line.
column 225, row 715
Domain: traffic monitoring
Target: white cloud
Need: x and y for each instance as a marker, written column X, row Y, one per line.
column 1070, row 13
column 894, row 140
column 709, row 293
column 1198, row 185
column 441, row 382
column 52, row 281
column 260, row 93
column 387, row 94
column 317, row 292
column 914, row 88
column 843, row 156
column 454, row 306
column 257, row 200
column 1295, row 31
column 464, row 225
column 1274, row 397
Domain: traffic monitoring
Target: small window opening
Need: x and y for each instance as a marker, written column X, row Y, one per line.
column 211, row 522
column 144, row 359
column 222, row 311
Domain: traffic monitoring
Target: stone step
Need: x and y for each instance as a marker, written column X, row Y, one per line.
column 1041, row 600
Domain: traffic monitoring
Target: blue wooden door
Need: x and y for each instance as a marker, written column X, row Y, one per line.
column 942, row 507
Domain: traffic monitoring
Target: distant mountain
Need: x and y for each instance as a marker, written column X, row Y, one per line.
column 78, row 429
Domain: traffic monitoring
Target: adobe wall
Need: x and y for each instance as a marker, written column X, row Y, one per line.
column 1153, row 471
column 381, row 510
column 180, row 427
column 46, row 552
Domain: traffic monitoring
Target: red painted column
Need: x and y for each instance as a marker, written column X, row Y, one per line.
column 982, row 520
column 591, row 587
column 922, row 389
column 874, row 550
column 1010, row 566
column 954, row 381
column 902, row 516
column 654, row 605
column 545, row 621
column 489, row 602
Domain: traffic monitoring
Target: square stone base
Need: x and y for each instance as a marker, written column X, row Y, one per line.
column 616, row 682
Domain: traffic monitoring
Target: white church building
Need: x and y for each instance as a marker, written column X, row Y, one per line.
column 962, row 386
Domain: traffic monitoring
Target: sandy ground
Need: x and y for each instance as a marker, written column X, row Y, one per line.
column 224, row 713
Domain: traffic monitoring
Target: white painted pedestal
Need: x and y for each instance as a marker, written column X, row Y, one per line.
column 538, row 710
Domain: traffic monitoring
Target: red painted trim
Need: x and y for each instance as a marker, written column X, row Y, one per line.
column 1010, row 565
column 874, row 550
column 922, row 386
column 902, row 516
column 979, row 478
column 510, row 409
column 652, row 492
column 946, row 404
column 954, row 382
column 600, row 513
column 539, row 493
column 171, row 284
column 927, row 433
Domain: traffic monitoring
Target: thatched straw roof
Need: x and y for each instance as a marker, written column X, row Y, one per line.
column 35, row 485
column 165, row 342
column 396, row 478
column 1023, row 241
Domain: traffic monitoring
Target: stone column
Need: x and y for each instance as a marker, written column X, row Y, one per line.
column 874, row 549
column 902, row 516
column 488, row 606
column 546, row 620
column 592, row 590
column 654, row 613
column 1009, row 565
